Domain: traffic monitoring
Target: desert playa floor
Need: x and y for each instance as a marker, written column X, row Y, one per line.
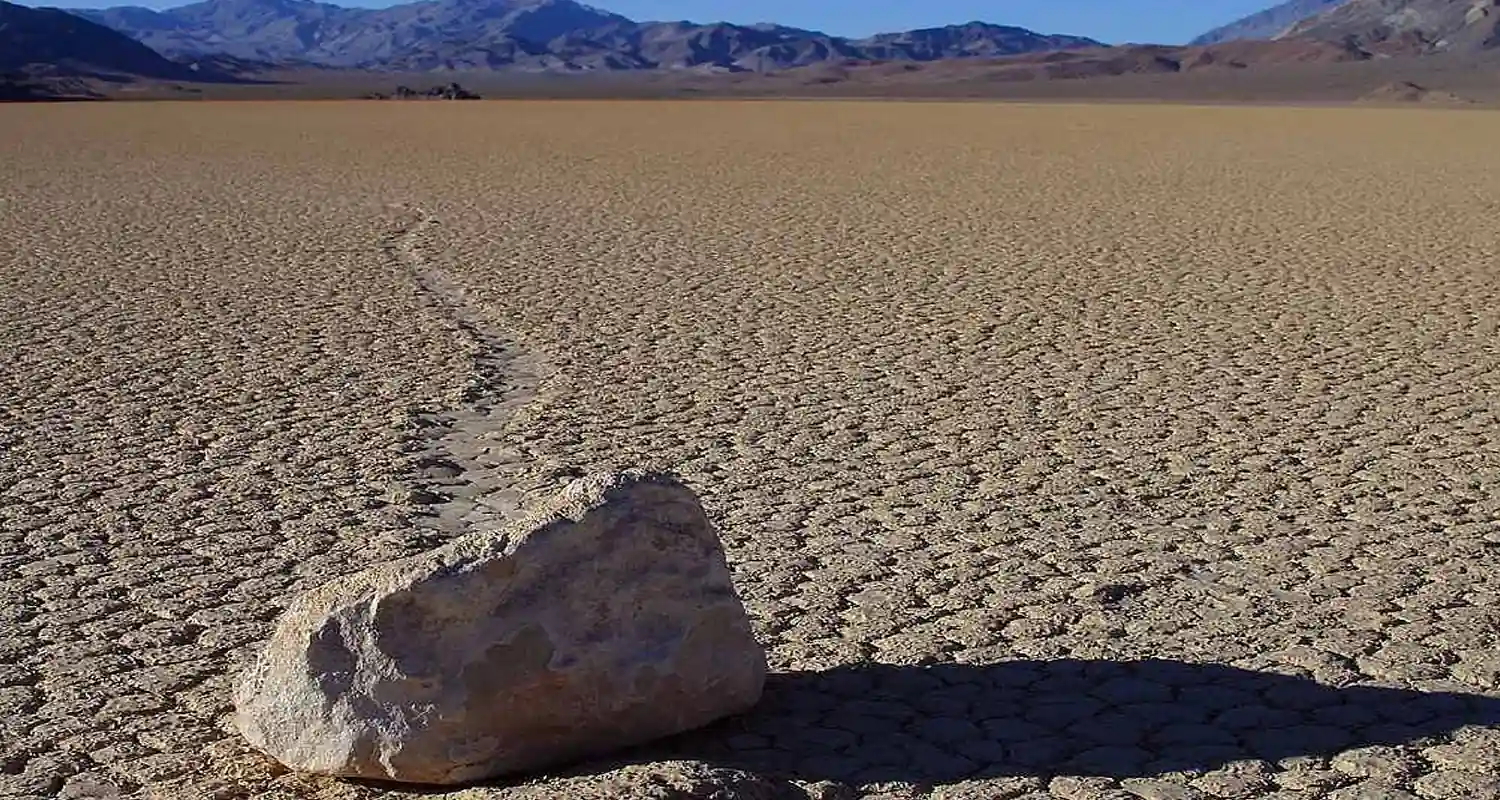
column 1060, row 451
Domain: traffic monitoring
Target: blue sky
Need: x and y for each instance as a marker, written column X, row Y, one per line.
column 1114, row 21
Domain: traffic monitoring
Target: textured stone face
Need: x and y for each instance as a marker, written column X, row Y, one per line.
column 603, row 619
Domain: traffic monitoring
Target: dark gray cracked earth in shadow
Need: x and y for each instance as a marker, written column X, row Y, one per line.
column 924, row 725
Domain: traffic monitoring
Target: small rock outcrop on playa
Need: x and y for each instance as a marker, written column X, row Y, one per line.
column 1406, row 92
column 605, row 618
column 450, row 92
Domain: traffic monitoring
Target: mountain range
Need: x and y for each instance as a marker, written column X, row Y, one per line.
column 537, row 35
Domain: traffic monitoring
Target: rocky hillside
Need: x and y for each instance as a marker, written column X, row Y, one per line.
column 1395, row 27
column 550, row 35
column 1410, row 26
column 1268, row 24
column 48, row 42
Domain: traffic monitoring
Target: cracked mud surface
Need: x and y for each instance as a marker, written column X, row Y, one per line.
column 1059, row 452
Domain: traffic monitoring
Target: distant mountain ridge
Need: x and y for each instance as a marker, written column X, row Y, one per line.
column 537, row 35
column 1403, row 27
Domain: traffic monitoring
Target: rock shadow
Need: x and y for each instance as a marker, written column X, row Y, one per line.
column 1119, row 719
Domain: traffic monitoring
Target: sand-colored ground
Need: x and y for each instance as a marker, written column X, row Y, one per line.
column 1074, row 452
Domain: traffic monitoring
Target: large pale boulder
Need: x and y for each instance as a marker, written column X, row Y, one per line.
column 603, row 619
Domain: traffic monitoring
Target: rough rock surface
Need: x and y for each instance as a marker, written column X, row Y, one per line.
column 603, row 619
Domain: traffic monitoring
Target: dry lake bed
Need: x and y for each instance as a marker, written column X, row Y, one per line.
column 1059, row 451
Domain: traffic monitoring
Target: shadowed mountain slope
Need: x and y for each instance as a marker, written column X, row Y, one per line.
column 59, row 43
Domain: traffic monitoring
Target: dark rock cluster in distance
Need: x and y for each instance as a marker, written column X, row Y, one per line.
column 452, row 91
